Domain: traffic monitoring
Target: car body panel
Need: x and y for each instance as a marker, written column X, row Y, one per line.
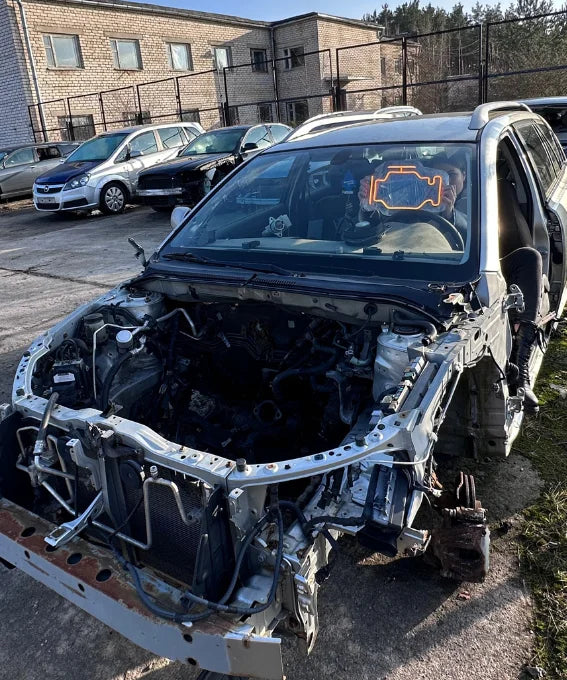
column 50, row 195
column 180, row 180
column 17, row 180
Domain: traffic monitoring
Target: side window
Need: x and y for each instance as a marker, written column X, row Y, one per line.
column 190, row 134
column 144, row 143
column 20, row 157
column 279, row 132
column 554, row 148
column 171, row 137
column 46, row 153
column 539, row 156
column 259, row 136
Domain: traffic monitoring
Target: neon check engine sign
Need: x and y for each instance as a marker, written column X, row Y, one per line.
column 383, row 189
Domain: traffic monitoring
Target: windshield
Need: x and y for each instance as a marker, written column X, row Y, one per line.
column 218, row 141
column 386, row 209
column 98, row 148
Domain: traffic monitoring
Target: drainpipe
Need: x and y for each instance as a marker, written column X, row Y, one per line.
column 33, row 68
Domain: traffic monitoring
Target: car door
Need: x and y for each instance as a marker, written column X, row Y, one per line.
column 172, row 139
column 547, row 160
column 143, row 152
column 16, row 176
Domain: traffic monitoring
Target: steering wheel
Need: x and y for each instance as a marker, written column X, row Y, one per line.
column 448, row 230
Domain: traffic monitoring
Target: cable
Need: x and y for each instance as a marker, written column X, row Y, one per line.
column 183, row 617
column 39, row 447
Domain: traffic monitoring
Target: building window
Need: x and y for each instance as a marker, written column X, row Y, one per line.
column 191, row 116
column 76, row 127
column 259, row 59
column 383, row 67
column 298, row 111
column 63, row 51
column 293, row 57
column 126, row 54
column 222, row 57
column 179, row 56
column 265, row 113
column 398, row 65
column 134, row 118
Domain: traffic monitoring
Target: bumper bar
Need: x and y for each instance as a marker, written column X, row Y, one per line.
column 94, row 581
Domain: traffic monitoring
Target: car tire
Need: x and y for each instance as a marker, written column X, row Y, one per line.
column 113, row 198
column 162, row 208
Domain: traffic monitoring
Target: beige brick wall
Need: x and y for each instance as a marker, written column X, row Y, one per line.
column 96, row 25
column 15, row 93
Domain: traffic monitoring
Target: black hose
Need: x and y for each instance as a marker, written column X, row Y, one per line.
column 40, row 439
column 428, row 327
column 109, row 379
column 312, row 370
column 182, row 617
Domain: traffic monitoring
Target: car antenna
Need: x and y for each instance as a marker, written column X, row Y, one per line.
column 140, row 253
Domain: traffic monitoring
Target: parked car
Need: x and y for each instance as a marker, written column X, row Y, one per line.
column 554, row 110
column 329, row 121
column 203, row 163
column 103, row 172
column 20, row 165
column 290, row 365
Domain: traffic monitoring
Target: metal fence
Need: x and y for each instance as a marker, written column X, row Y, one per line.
column 449, row 70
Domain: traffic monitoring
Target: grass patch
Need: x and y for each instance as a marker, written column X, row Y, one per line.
column 543, row 547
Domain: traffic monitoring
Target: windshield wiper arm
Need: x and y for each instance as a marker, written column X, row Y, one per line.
column 260, row 267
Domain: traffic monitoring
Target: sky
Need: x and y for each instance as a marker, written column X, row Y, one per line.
column 270, row 11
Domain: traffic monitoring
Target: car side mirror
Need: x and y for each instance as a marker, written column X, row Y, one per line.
column 179, row 214
column 249, row 146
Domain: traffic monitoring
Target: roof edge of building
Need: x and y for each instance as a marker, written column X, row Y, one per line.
column 149, row 8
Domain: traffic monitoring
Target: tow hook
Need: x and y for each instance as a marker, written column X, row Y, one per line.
column 461, row 544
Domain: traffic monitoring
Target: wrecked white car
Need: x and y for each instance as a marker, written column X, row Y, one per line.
column 181, row 455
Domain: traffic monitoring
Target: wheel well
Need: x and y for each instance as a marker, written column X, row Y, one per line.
column 120, row 184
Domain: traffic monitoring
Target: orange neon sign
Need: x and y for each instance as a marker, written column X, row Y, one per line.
column 435, row 182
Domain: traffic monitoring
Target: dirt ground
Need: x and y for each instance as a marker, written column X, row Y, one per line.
column 379, row 618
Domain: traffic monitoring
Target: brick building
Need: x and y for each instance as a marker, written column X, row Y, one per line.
column 94, row 64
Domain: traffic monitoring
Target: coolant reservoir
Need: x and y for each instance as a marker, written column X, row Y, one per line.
column 392, row 357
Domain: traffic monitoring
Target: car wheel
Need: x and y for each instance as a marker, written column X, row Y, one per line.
column 161, row 208
column 113, row 199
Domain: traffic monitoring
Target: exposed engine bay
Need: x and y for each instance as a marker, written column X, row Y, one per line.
column 223, row 446
column 241, row 380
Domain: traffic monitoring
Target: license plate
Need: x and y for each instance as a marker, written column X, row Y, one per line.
column 46, row 199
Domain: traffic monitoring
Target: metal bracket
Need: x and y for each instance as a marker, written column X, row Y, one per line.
column 514, row 300
column 64, row 533
column 515, row 404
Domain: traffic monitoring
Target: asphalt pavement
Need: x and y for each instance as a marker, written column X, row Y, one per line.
column 379, row 618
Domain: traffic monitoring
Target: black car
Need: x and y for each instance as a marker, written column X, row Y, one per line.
column 201, row 164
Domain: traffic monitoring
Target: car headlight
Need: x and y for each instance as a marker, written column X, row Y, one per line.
column 77, row 182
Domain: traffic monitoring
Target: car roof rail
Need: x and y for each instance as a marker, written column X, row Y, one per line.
column 481, row 115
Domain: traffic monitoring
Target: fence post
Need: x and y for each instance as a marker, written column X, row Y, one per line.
column 480, row 67
column 486, row 62
column 337, row 86
column 102, row 113
column 276, row 88
column 139, row 115
column 226, row 106
column 404, row 70
column 178, row 98
column 31, row 122
column 70, row 126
